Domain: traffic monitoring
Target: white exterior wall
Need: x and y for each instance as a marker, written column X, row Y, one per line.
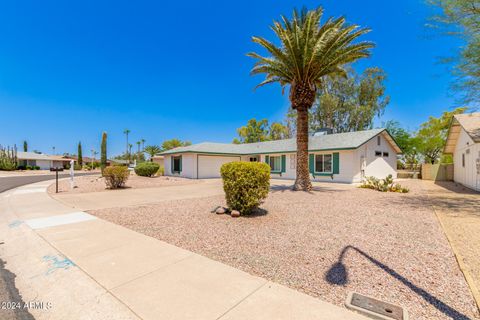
column 189, row 166
column 350, row 163
column 468, row 175
column 44, row 164
column 374, row 166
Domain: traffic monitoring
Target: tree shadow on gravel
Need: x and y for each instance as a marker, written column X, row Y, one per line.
column 338, row 275
column 10, row 293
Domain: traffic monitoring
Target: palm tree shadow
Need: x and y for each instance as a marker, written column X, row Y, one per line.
column 338, row 275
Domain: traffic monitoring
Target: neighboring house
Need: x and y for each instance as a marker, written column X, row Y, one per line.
column 86, row 160
column 342, row 157
column 463, row 142
column 44, row 161
column 158, row 159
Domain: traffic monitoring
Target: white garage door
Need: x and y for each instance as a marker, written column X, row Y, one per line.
column 209, row 166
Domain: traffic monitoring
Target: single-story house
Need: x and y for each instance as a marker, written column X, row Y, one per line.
column 44, row 161
column 341, row 157
column 463, row 142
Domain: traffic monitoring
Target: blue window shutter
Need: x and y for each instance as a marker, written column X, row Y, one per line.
column 171, row 164
column 311, row 163
column 284, row 162
column 336, row 163
column 267, row 160
column 180, row 164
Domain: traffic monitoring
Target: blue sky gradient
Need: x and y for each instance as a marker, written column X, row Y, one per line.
column 70, row 70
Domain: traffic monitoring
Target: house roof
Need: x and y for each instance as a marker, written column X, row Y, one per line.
column 470, row 122
column 337, row 141
column 22, row 155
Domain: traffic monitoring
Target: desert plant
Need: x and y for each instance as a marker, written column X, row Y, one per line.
column 147, row 169
column 80, row 159
column 77, row 167
column 115, row 176
column 246, row 184
column 161, row 171
column 383, row 185
column 308, row 49
column 152, row 151
column 8, row 158
column 103, row 152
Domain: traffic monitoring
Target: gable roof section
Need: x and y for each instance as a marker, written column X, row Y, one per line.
column 470, row 122
column 337, row 141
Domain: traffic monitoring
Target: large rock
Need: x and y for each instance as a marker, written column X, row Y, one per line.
column 235, row 213
column 220, row 210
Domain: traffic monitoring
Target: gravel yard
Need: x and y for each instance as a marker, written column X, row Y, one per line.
column 96, row 183
column 335, row 239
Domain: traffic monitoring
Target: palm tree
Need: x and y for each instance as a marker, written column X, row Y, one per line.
column 309, row 52
column 126, row 132
column 143, row 144
column 152, row 151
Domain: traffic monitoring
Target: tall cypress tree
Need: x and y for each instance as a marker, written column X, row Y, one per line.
column 80, row 160
column 25, row 146
column 103, row 152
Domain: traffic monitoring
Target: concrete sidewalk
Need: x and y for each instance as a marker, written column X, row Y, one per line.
column 88, row 268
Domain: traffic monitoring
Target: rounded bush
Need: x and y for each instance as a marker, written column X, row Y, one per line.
column 115, row 176
column 147, row 169
column 246, row 184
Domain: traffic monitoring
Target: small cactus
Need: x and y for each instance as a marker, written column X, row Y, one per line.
column 8, row 158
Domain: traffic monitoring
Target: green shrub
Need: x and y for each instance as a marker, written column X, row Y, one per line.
column 77, row 167
column 147, row 169
column 36, row 168
column 383, row 185
column 115, row 176
column 246, row 184
column 29, row 167
column 161, row 171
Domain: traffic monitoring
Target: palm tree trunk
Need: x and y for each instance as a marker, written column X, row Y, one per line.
column 302, row 181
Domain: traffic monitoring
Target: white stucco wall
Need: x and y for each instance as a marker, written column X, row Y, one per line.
column 468, row 175
column 189, row 166
column 44, row 164
column 350, row 162
column 374, row 166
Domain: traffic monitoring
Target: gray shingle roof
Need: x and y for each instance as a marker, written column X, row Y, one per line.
column 337, row 141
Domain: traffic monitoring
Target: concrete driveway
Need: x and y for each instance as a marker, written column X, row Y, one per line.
column 458, row 210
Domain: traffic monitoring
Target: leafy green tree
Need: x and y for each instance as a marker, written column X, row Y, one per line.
column 401, row 136
column 152, row 151
column 309, row 51
column 25, row 146
column 80, row 159
column 103, row 152
column 462, row 18
column 254, row 131
column 432, row 135
column 258, row 131
column 278, row 131
column 350, row 103
column 174, row 143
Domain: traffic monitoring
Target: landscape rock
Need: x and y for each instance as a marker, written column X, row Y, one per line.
column 235, row 213
column 220, row 210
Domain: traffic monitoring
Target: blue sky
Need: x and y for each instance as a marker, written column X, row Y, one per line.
column 177, row 69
